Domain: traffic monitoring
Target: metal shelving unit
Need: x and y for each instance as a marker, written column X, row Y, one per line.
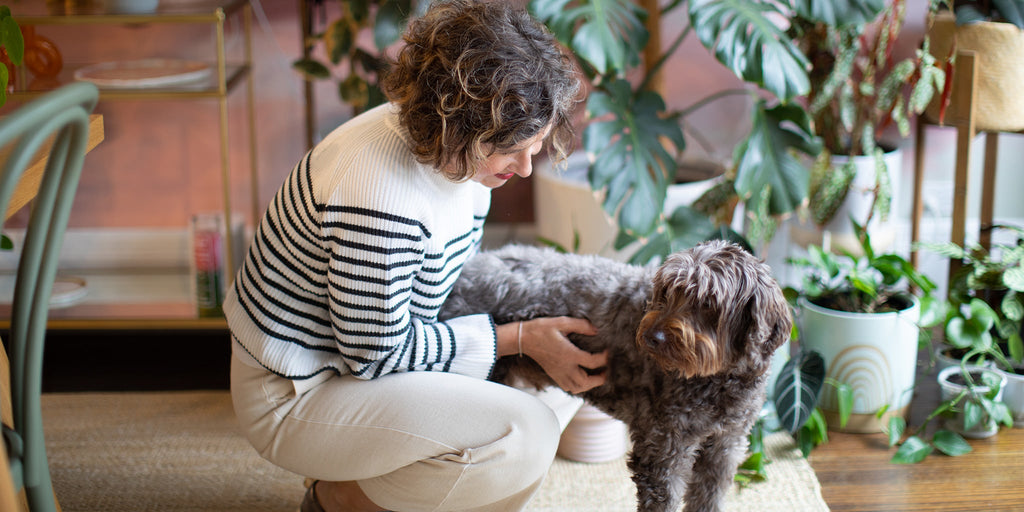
column 225, row 77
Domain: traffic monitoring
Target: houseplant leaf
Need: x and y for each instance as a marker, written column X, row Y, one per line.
column 339, row 39
column 840, row 12
column 607, row 34
column 743, row 38
column 390, row 22
column 11, row 38
column 797, row 388
column 766, row 158
column 1013, row 278
column 951, row 443
column 628, row 152
column 912, row 451
column 312, row 68
column 1011, row 10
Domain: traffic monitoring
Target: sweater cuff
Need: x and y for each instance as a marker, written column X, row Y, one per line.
column 477, row 345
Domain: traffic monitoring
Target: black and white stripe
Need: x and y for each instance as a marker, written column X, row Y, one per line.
column 351, row 264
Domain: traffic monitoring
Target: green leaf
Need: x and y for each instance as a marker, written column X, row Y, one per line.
column 813, row 433
column 948, row 250
column 1015, row 347
column 912, row 451
column 389, row 23
column 844, row 396
column 1011, row 307
column 797, row 388
column 13, row 41
column 840, row 12
column 354, row 91
column 752, row 469
column 897, row 426
column 766, row 158
column 359, row 10
column 983, row 313
column 830, row 192
column 950, row 443
column 609, row 35
column 1011, row 11
column 933, row 311
column 339, row 40
column 1013, row 278
column 974, row 414
column 743, row 37
column 6, row 244
column 933, row 78
column 312, row 68
column 628, row 152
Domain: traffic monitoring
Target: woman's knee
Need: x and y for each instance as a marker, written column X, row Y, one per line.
column 529, row 444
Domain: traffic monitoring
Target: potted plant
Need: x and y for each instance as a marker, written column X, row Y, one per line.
column 823, row 63
column 994, row 31
column 361, row 59
column 857, row 311
column 986, row 297
column 970, row 407
column 859, row 90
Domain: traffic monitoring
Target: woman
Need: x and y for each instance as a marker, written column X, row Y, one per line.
column 341, row 371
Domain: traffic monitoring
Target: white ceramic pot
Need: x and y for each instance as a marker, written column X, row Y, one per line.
column 838, row 234
column 1013, row 396
column 943, row 360
column 779, row 360
column 567, row 209
column 950, row 389
column 593, row 436
column 875, row 354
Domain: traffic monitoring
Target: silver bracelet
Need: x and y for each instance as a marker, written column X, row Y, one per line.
column 519, row 338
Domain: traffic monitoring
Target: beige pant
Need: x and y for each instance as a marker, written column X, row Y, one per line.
column 413, row 441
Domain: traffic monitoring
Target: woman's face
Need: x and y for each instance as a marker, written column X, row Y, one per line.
column 498, row 168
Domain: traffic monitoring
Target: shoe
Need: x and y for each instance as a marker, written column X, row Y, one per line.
column 310, row 503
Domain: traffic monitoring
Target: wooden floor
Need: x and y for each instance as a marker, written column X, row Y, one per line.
column 856, row 475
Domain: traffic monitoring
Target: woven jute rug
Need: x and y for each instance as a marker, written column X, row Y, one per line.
column 181, row 451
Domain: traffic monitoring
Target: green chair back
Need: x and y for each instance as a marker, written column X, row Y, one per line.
column 64, row 115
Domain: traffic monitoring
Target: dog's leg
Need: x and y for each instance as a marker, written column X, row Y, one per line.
column 661, row 462
column 713, row 472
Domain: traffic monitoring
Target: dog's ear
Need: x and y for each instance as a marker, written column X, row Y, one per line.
column 770, row 323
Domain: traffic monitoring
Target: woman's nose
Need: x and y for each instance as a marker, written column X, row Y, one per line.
column 524, row 165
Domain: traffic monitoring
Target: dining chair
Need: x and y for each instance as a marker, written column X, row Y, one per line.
column 62, row 114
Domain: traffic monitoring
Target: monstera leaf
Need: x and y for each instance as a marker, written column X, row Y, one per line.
column 840, row 12
column 609, row 35
column 767, row 158
column 743, row 37
column 797, row 388
column 628, row 156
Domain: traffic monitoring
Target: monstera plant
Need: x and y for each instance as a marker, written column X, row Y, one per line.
column 821, row 78
column 634, row 143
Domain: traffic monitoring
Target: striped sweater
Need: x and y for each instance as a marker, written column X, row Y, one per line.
column 353, row 259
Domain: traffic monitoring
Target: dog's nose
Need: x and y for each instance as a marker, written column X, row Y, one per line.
column 655, row 339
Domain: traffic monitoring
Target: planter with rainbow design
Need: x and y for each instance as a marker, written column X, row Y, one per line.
column 875, row 354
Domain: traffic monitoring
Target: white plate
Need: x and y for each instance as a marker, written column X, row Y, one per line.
column 67, row 290
column 143, row 73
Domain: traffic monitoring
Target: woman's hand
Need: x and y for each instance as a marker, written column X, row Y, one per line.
column 545, row 341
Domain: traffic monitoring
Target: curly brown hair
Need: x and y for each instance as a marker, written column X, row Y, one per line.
column 479, row 77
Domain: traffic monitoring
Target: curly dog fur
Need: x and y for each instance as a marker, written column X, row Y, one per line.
column 689, row 342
